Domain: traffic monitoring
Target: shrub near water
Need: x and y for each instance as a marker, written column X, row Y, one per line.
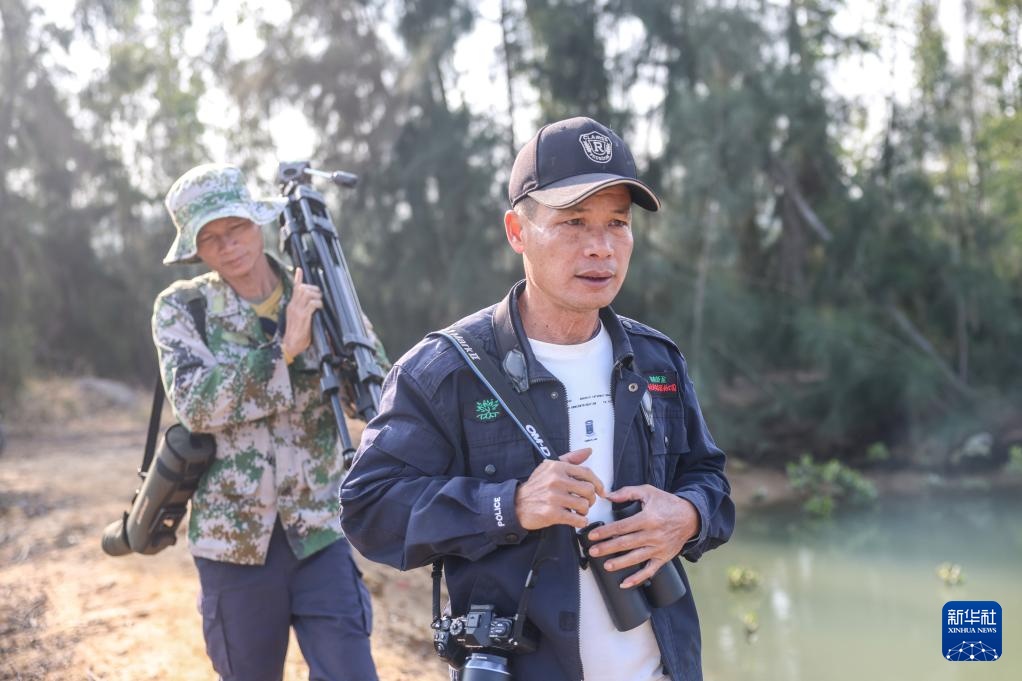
column 1015, row 459
column 742, row 578
column 826, row 485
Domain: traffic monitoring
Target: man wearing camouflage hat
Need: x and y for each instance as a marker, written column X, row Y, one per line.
column 263, row 529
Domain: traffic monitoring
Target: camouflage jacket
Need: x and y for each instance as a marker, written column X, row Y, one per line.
column 275, row 435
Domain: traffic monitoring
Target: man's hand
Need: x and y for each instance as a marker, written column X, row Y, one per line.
column 305, row 299
column 558, row 493
column 656, row 534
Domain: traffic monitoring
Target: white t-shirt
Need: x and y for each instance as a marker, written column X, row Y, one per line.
column 584, row 370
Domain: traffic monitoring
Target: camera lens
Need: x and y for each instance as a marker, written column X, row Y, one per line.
column 485, row 667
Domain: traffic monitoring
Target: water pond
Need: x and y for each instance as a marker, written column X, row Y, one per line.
column 858, row 597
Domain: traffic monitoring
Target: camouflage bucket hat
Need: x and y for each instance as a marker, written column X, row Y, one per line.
column 208, row 192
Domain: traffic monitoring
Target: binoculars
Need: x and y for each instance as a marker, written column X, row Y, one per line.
column 631, row 607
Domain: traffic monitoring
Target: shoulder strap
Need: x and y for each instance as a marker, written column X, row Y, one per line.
column 196, row 303
column 154, row 426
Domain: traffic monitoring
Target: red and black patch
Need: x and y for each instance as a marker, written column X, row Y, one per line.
column 662, row 383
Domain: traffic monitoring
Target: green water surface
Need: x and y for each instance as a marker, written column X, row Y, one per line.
column 857, row 597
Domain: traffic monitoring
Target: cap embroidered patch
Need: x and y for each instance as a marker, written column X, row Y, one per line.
column 663, row 383
column 597, row 146
column 487, row 410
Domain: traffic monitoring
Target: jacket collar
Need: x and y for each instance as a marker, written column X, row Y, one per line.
column 515, row 352
column 224, row 301
column 237, row 316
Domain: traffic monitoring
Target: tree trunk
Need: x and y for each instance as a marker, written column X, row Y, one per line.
column 708, row 227
column 505, row 17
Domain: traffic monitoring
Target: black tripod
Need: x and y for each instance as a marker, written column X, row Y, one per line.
column 345, row 352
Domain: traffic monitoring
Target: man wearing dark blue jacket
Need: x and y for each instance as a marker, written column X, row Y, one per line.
column 444, row 472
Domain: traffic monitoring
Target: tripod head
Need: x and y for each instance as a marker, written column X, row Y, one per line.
column 302, row 172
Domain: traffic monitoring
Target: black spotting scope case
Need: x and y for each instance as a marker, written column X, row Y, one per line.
column 162, row 499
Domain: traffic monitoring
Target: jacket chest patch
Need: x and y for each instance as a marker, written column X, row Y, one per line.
column 487, row 410
column 662, row 384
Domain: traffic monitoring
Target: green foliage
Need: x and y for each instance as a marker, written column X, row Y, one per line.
column 742, row 578
column 951, row 574
column 832, row 293
column 750, row 623
column 568, row 61
column 827, row 485
column 1014, row 459
column 878, row 453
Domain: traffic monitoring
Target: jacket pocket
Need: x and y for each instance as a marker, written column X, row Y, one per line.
column 213, row 633
column 668, row 445
column 365, row 601
column 497, row 451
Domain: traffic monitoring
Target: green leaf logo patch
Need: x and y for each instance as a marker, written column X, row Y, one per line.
column 487, row 410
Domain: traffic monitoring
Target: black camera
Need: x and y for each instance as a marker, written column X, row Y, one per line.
column 471, row 642
column 631, row 607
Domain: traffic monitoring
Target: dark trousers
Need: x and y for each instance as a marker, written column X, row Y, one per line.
column 247, row 611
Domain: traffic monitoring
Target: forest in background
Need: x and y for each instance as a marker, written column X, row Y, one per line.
column 836, row 292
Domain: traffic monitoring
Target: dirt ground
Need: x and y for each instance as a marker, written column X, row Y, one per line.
column 69, row 611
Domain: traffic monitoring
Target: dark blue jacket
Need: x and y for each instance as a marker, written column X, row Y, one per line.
column 432, row 468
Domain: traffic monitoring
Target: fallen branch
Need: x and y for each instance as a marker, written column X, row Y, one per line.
column 784, row 177
column 920, row 341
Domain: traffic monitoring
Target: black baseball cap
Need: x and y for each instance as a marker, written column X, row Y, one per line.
column 570, row 160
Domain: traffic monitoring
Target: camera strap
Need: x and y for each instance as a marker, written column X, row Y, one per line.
column 154, row 427
column 523, row 600
column 524, row 416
